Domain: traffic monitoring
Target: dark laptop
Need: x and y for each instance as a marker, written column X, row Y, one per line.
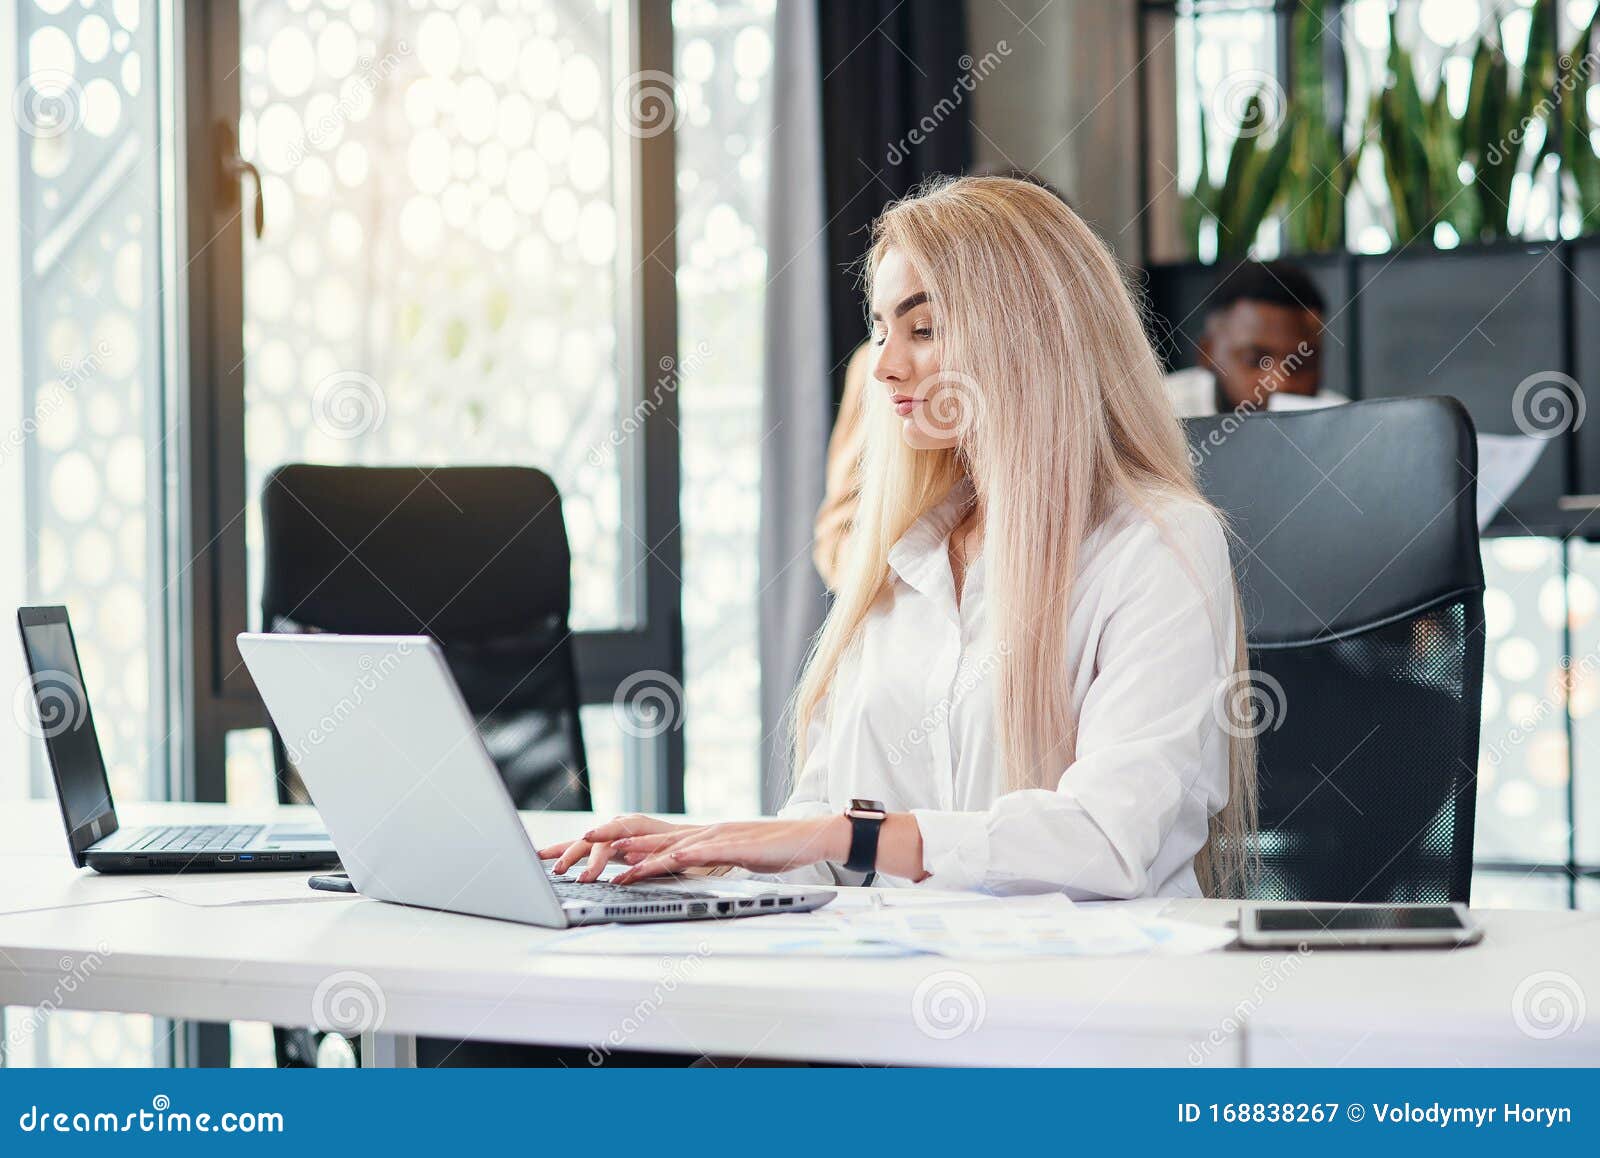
column 66, row 724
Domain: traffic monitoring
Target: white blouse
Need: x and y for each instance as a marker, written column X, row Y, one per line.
column 910, row 718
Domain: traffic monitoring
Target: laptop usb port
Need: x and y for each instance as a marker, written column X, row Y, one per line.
column 785, row 902
column 767, row 902
column 246, row 856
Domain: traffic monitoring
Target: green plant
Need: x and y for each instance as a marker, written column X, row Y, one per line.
column 1320, row 168
column 1571, row 132
column 1250, row 180
column 1421, row 148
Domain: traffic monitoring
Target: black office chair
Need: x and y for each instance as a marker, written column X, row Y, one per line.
column 1362, row 586
column 476, row 557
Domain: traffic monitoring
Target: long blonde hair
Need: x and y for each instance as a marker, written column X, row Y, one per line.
column 1032, row 313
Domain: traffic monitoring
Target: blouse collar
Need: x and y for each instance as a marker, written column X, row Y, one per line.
column 921, row 556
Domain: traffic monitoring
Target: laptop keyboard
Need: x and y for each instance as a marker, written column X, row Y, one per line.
column 197, row 837
column 606, row 891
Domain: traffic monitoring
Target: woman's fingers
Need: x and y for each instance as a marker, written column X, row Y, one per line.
column 571, row 855
column 553, row 850
column 631, row 825
column 598, row 859
column 675, row 860
column 651, row 843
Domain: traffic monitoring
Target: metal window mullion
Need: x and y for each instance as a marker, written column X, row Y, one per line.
column 211, row 467
column 647, row 293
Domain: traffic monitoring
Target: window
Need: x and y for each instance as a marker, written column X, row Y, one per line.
column 465, row 259
column 724, row 74
column 85, row 418
column 447, row 275
column 1207, row 60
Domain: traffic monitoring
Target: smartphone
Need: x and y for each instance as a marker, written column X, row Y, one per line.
column 1288, row 926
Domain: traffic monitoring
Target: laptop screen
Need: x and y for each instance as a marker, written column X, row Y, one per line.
column 63, row 720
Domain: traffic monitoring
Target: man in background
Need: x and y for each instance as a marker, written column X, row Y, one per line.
column 1262, row 345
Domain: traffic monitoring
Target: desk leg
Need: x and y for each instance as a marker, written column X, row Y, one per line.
column 388, row 1051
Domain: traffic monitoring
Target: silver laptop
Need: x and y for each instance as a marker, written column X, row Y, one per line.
column 379, row 732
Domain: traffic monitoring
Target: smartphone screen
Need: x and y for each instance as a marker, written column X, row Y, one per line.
column 1356, row 920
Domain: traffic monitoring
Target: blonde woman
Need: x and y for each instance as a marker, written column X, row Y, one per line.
column 1024, row 682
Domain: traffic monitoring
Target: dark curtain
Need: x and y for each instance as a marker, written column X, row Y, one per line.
column 886, row 67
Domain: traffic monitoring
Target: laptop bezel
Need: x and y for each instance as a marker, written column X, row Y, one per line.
column 96, row 828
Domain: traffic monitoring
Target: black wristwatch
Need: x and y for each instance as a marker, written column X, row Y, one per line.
column 866, row 818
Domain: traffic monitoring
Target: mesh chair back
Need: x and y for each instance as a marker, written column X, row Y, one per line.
column 1357, row 559
column 476, row 557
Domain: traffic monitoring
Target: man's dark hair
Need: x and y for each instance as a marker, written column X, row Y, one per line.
column 1273, row 283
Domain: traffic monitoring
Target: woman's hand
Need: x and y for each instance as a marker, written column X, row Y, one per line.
column 597, row 843
column 764, row 846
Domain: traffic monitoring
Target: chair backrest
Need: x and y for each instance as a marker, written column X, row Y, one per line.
column 1358, row 565
column 476, row 557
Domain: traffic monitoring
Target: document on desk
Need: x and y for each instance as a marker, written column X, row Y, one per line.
column 990, row 930
column 1504, row 460
column 221, row 890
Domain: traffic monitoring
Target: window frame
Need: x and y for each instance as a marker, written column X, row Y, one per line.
column 214, row 690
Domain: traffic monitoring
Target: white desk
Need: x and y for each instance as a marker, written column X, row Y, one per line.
column 455, row 976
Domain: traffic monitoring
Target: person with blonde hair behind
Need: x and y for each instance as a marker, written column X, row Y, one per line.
column 1036, row 650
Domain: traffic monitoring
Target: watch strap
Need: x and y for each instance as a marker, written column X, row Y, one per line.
column 864, row 832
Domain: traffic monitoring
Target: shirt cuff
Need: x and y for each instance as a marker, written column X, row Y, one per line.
column 955, row 848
